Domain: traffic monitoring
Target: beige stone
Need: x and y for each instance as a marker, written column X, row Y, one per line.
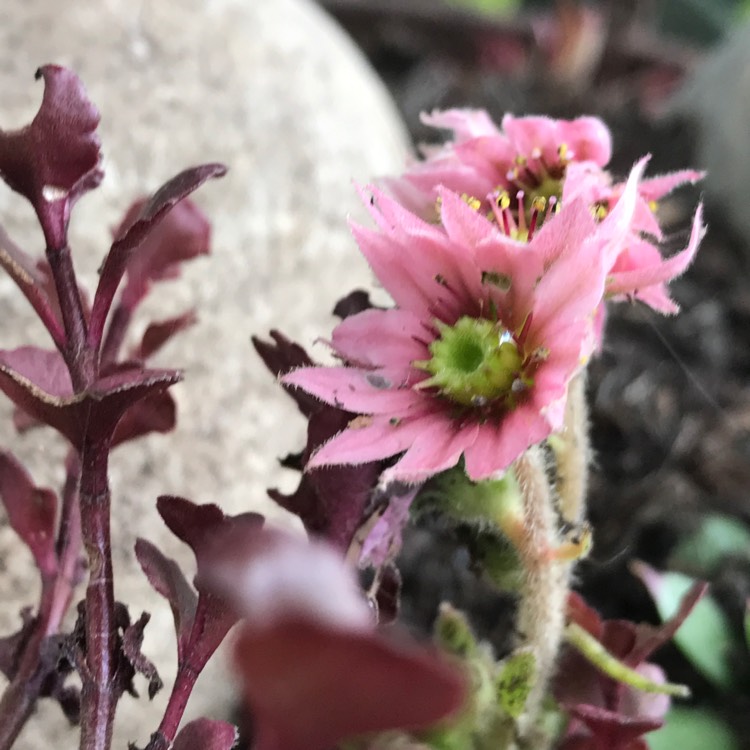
column 276, row 91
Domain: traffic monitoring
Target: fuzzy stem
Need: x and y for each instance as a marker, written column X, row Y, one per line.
column 164, row 736
column 541, row 610
column 573, row 453
column 22, row 693
column 544, row 594
column 98, row 694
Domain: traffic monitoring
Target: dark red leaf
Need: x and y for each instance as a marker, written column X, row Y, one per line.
column 132, row 640
column 283, row 356
column 613, row 730
column 166, row 577
column 121, row 253
column 35, row 282
column 355, row 302
column 158, row 334
column 154, row 413
column 205, row 734
column 38, row 384
column 31, row 510
column 56, row 158
column 310, row 686
column 183, row 234
column 201, row 527
column 314, row 667
column 331, row 501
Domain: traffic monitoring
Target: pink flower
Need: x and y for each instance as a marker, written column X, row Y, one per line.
column 532, row 163
column 527, row 155
column 487, row 331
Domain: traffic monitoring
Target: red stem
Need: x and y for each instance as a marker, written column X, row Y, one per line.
column 118, row 326
column 21, row 695
column 98, row 698
column 164, row 736
column 79, row 357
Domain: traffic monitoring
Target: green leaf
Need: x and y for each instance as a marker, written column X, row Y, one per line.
column 717, row 537
column 515, row 681
column 692, row 729
column 705, row 637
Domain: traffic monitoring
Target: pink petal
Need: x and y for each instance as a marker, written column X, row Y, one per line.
column 465, row 123
column 657, row 187
column 588, row 138
column 462, row 223
column 528, row 134
column 359, row 391
column 436, row 449
column 376, row 338
column 379, row 439
column 631, row 281
column 498, row 445
column 617, row 226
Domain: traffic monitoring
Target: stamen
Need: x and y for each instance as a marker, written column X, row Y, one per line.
column 521, row 212
column 471, row 201
column 537, row 207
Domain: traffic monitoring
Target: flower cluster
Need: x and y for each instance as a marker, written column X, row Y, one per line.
column 499, row 250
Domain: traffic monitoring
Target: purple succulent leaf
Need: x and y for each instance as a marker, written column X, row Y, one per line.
column 310, row 686
column 189, row 522
column 283, row 356
column 35, row 283
column 612, row 729
column 91, row 414
column 131, row 238
column 184, row 233
column 315, row 668
column 206, row 734
column 159, row 333
column 156, row 412
column 199, row 526
column 31, row 510
column 132, row 640
column 331, row 501
column 56, row 158
column 383, row 542
column 167, row 579
column 44, row 369
column 650, row 638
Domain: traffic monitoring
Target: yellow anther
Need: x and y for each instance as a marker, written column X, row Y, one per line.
column 539, row 203
column 471, row 201
column 503, row 200
column 562, row 152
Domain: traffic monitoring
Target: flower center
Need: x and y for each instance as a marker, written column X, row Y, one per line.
column 473, row 363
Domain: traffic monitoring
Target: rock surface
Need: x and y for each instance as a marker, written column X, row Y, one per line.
column 273, row 89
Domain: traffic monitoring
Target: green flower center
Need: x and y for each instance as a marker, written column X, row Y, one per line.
column 473, row 363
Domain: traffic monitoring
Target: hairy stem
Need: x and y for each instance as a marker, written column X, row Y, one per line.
column 98, row 694
column 164, row 736
column 541, row 610
column 573, row 453
column 22, row 693
column 544, row 594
